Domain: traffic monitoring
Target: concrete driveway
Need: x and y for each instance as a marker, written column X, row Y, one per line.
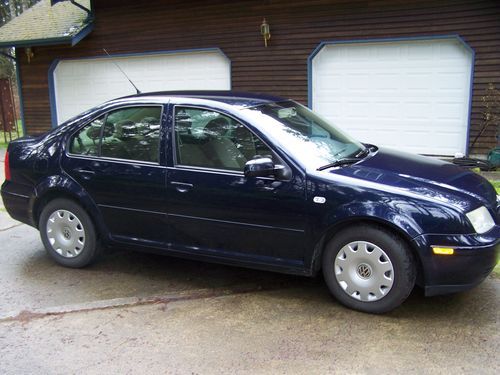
column 142, row 313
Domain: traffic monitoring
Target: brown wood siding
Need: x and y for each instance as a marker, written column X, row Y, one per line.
column 297, row 27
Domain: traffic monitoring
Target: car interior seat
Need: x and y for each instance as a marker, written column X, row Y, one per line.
column 93, row 132
column 220, row 149
column 151, row 137
column 122, row 129
column 189, row 146
column 112, row 144
column 244, row 141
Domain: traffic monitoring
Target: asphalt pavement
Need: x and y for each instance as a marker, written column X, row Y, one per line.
column 137, row 313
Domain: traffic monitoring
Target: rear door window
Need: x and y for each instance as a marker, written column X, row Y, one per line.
column 132, row 133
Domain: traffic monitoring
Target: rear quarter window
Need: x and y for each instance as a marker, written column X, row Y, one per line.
column 86, row 140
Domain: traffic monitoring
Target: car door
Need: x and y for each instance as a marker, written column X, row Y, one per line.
column 117, row 159
column 213, row 208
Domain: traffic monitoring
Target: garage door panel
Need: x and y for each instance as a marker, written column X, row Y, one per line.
column 85, row 83
column 422, row 87
column 419, row 51
column 450, row 81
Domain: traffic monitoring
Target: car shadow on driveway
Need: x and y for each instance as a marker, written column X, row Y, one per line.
column 124, row 273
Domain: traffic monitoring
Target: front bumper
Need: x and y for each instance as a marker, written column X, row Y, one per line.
column 474, row 258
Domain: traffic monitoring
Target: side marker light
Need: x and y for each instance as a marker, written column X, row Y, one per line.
column 443, row 250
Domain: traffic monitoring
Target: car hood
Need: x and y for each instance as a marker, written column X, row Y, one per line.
column 426, row 177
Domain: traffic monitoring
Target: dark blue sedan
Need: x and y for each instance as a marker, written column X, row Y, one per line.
column 255, row 181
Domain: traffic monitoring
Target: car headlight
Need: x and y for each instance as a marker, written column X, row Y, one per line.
column 481, row 219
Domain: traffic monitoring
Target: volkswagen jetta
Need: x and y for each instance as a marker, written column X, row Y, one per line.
column 255, row 181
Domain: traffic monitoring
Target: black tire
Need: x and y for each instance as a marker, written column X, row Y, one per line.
column 91, row 247
column 403, row 273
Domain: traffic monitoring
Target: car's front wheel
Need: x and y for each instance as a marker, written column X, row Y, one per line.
column 68, row 233
column 368, row 268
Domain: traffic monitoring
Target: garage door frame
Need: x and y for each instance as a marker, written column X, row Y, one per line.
column 457, row 37
column 55, row 63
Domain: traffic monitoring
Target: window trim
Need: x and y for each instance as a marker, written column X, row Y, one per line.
column 122, row 161
column 107, row 158
column 208, row 169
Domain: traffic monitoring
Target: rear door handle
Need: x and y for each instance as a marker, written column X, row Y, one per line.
column 182, row 187
column 84, row 170
column 86, row 173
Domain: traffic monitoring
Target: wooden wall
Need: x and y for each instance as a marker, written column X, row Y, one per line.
column 297, row 27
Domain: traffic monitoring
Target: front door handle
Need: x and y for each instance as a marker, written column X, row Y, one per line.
column 182, row 187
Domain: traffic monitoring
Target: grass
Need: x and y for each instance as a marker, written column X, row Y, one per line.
column 496, row 185
column 4, row 135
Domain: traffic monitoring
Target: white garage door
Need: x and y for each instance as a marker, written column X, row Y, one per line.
column 82, row 84
column 410, row 95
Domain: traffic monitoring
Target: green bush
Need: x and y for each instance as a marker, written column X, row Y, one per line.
column 496, row 185
column 4, row 136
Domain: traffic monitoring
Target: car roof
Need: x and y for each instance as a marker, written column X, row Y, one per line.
column 243, row 99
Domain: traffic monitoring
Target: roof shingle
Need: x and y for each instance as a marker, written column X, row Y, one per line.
column 46, row 24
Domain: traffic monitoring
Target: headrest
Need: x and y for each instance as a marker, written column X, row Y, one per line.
column 218, row 126
column 94, row 132
column 150, row 121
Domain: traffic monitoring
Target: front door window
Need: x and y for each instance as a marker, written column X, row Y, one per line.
column 210, row 139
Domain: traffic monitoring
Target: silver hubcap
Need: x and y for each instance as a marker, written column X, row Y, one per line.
column 65, row 233
column 364, row 271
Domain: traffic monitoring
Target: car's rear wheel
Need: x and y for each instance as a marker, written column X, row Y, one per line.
column 368, row 268
column 68, row 233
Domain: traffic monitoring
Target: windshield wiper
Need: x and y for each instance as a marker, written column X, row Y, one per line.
column 348, row 160
column 362, row 153
column 339, row 162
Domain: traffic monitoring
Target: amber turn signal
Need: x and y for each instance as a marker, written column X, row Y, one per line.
column 443, row 250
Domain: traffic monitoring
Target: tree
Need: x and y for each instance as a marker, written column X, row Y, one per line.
column 10, row 9
column 7, row 69
column 491, row 108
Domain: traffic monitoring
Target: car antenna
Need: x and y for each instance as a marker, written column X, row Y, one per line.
column 121, row 70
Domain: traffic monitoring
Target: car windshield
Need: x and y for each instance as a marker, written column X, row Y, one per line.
column 314, row 141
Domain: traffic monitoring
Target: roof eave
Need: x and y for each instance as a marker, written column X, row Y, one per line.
column 70, row 40
column 82, row 33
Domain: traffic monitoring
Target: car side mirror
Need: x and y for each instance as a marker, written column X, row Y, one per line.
column 264, row 167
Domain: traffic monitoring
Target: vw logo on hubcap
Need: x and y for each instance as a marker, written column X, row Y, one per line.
column 364, row 271
column 66, row 233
